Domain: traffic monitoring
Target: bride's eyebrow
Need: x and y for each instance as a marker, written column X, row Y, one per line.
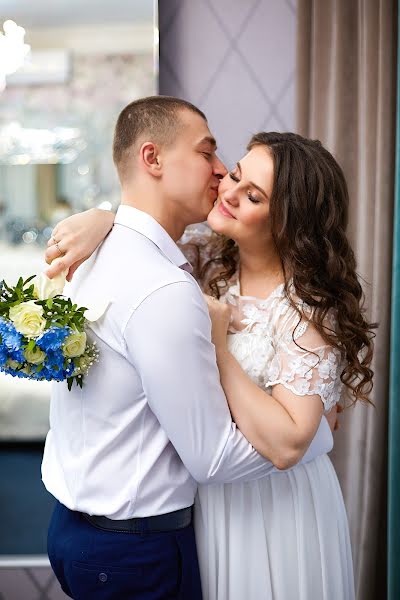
column 252, row 183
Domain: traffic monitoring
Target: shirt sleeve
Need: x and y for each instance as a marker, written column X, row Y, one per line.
column 168, row 342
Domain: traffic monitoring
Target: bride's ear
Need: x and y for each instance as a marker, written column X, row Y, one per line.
column 149, row 156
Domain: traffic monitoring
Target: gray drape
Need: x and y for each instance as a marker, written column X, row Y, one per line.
column 346, row 98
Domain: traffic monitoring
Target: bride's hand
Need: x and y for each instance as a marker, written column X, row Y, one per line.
column 75, row 239
column 220, row 315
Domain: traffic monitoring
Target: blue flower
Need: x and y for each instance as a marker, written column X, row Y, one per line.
column 54, row 361
column 17, row 355
column 9, row 335
column 50, row 375
column 15, row 373
column 43, row 374
column 69, row 369
column 21, row 374
column 3, row 355
column 53, row 338
column 61, row 377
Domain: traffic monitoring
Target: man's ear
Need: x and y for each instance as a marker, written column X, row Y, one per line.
column 149, row 155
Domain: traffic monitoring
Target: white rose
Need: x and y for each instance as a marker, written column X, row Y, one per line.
column 45, row 288
column 35, row 358
column 28, row 318
column 13, row 364
column 74, row 345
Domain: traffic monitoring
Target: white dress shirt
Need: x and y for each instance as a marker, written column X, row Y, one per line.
column 151, row 420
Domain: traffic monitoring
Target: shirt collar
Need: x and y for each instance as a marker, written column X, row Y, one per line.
column 146, row 225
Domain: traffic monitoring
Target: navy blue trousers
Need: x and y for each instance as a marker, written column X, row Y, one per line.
column 95, row 564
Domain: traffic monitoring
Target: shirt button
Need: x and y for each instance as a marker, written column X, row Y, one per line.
column 103, row 577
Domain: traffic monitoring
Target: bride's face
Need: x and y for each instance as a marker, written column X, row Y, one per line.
column 242, row 209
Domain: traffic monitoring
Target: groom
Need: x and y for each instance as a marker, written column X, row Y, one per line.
column 123, row 456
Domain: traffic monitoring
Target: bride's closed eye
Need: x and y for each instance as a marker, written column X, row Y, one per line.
column 250, row 196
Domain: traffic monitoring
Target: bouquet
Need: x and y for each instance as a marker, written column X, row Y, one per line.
column 42, row 333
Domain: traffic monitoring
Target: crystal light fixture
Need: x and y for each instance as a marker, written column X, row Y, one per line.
column 13, row 50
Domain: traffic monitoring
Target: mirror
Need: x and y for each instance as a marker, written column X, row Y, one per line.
column 57, row 113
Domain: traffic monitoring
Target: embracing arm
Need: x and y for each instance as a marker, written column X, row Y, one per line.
column 77, row 238
column 280, row 426
column 176, row 360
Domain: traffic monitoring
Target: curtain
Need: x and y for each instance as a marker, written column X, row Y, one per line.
column 346, row 98
column 394, row 408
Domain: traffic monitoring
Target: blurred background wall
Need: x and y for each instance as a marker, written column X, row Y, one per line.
column 235, row 60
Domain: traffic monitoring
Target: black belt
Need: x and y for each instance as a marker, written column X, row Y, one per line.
column 167, row 522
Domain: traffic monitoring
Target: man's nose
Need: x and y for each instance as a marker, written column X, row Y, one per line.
column 219, row 168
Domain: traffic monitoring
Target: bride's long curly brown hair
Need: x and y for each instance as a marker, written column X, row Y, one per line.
column 308, row 219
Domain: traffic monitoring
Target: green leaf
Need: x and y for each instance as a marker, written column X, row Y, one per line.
column 29, row 279
column 49, row 303
column 31, row 345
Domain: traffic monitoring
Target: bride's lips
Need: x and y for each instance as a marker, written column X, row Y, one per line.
column 224, row 211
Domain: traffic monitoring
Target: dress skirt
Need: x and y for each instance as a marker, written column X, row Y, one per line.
column 283, row 537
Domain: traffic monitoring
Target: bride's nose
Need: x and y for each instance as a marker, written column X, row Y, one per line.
column 231, row 196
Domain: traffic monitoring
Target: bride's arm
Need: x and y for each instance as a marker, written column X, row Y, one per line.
column 77, row 237
column 280, row 426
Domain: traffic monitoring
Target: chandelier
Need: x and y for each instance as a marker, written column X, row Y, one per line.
column 13, row 50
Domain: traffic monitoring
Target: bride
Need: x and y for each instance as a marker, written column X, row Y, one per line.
column 291, row 342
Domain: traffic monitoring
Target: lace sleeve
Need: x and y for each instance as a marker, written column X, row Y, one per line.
column 199, row 244
column 306, row 365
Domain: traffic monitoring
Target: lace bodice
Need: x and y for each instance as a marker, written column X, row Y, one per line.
column 270, row 343
column 273, row 347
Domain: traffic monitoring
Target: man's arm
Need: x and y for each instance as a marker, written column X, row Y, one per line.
column 168, row 340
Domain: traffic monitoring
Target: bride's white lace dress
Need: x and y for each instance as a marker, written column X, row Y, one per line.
column 284, row 537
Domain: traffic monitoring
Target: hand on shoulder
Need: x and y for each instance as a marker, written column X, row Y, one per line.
column 75, row 239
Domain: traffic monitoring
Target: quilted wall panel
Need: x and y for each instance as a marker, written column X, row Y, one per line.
column 234, row 59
